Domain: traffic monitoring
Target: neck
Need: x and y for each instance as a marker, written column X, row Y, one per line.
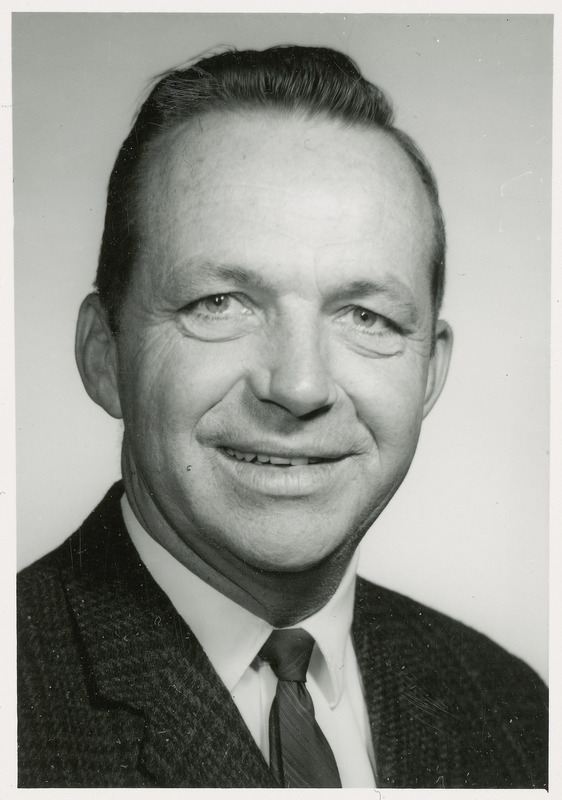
column 286, row 598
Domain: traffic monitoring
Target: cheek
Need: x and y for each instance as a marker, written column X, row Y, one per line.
column 170, row 383
column 388, row 395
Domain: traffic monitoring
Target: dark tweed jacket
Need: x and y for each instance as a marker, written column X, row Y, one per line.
column 115, row 690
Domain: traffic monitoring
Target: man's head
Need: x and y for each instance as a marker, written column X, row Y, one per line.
column 276, row 348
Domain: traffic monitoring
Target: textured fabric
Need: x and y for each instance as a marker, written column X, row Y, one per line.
column 115, row 691
column 449, row 708
column 300, row 756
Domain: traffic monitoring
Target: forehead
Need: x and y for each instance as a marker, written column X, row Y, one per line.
column 283, row 190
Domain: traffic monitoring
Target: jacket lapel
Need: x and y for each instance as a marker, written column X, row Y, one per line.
column 140, row 654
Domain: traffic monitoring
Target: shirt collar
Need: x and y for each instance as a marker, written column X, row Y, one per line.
column 230, row 635
column 331, row 628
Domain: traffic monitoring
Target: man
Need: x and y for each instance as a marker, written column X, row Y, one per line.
column 266, row 325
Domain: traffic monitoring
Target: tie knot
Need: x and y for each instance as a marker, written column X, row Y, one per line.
column 288, row 652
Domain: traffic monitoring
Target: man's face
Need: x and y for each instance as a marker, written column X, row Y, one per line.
column 274, row 351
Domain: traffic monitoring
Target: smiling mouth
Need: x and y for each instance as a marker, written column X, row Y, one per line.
column 265, row 460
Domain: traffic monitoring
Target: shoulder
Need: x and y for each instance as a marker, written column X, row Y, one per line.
column 39, row 585
column 414, row 631
column 72, row 607
column 90, row 576
column 105, row 517
column 431, row 673
column 94, row 551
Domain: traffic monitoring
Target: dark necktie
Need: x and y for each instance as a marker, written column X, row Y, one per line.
column 300, row 756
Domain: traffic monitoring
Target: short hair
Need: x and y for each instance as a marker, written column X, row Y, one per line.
column 310, row 81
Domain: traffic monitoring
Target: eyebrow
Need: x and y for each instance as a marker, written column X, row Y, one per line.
column 390, row 287
column 197, row 273
column 232, row 274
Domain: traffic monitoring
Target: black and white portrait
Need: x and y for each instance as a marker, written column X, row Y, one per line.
column 282, row 291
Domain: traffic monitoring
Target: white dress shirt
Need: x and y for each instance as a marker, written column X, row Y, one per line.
column 232, row 636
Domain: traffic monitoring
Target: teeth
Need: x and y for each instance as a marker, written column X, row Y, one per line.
column 259, row 458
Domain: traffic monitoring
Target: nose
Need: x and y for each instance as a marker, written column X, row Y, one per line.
column 297, row 375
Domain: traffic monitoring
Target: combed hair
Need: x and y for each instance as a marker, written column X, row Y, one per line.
column 309, row 81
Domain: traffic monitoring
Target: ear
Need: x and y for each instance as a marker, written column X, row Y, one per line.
column 96, row 356
column 438, row 364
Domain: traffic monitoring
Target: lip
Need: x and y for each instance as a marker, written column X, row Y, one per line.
column 285, row 451
column 283, row 480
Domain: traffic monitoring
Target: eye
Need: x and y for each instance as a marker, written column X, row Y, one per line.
column 368, row 319
column 369, row 331
column 216, row 303
column 217, row 317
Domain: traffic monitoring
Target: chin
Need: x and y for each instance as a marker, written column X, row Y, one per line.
column 292, row 556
